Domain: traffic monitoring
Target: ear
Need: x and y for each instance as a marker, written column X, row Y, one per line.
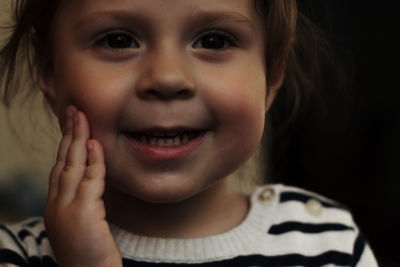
column 45, row 79
column 272, row 88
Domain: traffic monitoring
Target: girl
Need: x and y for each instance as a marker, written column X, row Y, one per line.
column 158, row 102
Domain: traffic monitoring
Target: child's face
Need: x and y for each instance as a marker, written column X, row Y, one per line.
column 141, row 69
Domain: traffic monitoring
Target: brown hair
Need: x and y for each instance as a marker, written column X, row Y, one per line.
column 27, row 46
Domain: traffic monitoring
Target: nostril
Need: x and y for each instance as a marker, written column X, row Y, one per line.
column 167, row 94
column 184, row 94
column 152, row 94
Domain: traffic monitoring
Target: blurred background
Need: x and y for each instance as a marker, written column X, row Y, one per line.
column 348, row 149
column 348, row 152
column 27, row 149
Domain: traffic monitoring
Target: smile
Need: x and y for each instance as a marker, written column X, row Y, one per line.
column 165, row 144
column 166, row 139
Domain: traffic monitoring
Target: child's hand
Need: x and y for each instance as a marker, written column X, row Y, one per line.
column 75, row 213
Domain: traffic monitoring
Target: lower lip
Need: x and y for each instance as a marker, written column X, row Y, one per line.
column 165, row 152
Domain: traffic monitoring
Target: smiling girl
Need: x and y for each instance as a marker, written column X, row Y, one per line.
column 158, row 102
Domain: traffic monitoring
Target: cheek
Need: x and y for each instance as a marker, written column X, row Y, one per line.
column 237, row 102
column 97, row 91
column 237, row 98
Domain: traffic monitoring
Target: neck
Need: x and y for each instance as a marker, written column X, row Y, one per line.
column 214, row 211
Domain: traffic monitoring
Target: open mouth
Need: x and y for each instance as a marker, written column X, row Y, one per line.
column 167, row 138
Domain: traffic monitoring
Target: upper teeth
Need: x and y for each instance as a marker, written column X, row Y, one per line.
column 164, row 134
column 166, row 139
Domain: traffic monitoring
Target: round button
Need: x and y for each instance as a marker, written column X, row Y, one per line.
column 314, row 207
column 268, row 194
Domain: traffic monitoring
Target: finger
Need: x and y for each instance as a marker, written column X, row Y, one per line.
column 92, row 186
column 61, row 153
column 76, row 158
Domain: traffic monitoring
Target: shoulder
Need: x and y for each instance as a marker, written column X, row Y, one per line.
column 25, row 243
column 314, row 228
column 295, row 204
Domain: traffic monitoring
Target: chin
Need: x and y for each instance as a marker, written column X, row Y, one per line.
column 164, row 196
column 159, row 193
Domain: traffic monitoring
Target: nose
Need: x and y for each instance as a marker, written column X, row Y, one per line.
column 165, row 76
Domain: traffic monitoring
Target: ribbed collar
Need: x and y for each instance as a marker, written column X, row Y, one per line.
column 241, row 240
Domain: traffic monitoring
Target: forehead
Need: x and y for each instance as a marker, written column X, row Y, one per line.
column 75, row 10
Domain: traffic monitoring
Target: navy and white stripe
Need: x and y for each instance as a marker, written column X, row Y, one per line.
column 304, row 197
column 309, row 228
column 23, row 245
column 280, row 230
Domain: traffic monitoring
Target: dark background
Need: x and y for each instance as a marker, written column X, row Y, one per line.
column 350, row 151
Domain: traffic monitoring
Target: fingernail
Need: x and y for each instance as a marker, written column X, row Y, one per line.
column 76, row 118
column 70, row 111
column 90, row 146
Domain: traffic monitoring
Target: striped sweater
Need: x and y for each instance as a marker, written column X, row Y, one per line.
column 285, row 226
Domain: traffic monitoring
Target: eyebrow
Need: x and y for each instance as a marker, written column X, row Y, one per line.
column 221, row 16
column 198, row 17
column 118, row 16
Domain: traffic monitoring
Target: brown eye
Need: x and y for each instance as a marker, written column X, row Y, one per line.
column 117, row 40
column 215, row 41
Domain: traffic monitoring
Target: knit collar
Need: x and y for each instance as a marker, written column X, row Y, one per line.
column 241, row 240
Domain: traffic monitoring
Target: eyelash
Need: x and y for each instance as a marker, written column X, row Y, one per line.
column 228, row 40
column 102, row 40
